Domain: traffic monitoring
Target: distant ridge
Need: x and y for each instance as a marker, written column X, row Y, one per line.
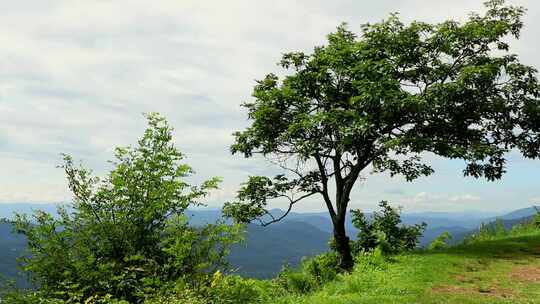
column 268, row 248
column 521, row 213
column 8, row 210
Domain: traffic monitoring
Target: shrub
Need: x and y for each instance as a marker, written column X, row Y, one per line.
column 221, row 289
column 126, row 235
column 536, row 219
column 312, row 273
column 486, row 232
column 322, row 268
column 367, row 261
column 385, row 231
column 440, row 242
column 179, row 297
column 295, row 281
column 232, row 289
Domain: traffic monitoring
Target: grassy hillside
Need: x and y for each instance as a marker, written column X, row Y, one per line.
column 500, row 270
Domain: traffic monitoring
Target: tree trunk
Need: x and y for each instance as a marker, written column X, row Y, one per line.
column 343, row 247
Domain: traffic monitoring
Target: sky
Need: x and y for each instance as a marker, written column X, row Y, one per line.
column 76, row 76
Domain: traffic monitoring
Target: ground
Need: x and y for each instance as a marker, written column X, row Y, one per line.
column 505, row 270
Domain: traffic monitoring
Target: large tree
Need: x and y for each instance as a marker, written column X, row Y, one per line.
column 383, row 99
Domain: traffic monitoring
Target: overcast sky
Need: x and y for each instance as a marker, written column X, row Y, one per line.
column 75, row 77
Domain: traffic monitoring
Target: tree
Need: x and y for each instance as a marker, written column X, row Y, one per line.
column 385, row 231
column 382, row 100
column 126, row 235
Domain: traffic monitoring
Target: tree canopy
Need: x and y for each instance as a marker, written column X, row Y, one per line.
column 381, row 100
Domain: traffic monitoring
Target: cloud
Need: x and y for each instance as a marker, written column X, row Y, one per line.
column 439, row 201
column 395, row 191
column 463, row 198
column 76, row 76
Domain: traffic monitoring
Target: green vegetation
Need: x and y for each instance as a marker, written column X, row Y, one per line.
column 126, row 236
column 501, row 269
column 384, row 231
column 504, row 269
column 379, row 101
column 441, row 242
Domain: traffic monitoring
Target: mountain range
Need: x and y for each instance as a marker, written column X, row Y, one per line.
column 266, row 249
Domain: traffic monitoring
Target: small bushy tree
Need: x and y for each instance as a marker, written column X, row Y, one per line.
column 126, row 235
column 385, row 231
column 440, row 242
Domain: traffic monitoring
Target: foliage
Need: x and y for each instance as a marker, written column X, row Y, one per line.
column 440, row 242
column 382, row 99
column 222, row 289
column 483, row 272
column 536, row 219
column 323, row 268
column 496, row 230
column 372, row 260
column 385, row 231
column 489, row 231
column 312, row 274
column 126, row 235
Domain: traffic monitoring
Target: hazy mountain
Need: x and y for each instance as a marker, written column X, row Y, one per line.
column 262, row 255
column 11, row 247
column 521, row 213
column 267, row 248
column 7, row 211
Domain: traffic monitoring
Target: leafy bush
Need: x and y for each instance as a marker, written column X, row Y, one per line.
column 312, row 274
column 126, row 236
column 536, row 218
column 322, row 268
column 295, row 281
column 385, row 231
column 440, row 242
column 367, row 261
column 221, row 289
column 233, row 289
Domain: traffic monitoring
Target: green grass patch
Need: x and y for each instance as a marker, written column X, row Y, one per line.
column 498, row 270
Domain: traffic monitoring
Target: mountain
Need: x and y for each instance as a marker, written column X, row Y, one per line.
column 7, row 211
column 262, row 255
column 11, row 247
column 521, row 213
column 266, row 249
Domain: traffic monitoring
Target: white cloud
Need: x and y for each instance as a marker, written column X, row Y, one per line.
column 534, row 200
column 75, row 77
column 439, row 201
column 463, row 198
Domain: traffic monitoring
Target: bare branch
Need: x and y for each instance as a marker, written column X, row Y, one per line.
column 291, row 203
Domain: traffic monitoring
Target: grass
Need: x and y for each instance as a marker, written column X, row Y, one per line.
column 501, row 270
